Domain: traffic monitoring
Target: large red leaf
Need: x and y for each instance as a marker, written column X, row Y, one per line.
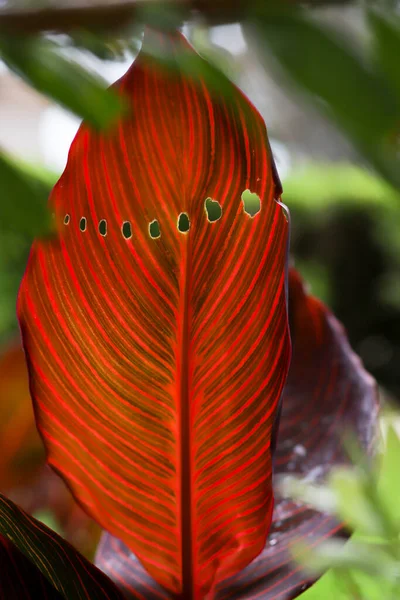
column 21, row 449
column 24, row 476
column 327, row 392
column 157, row 361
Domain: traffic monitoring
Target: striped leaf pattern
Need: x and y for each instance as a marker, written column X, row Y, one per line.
column 21, row 579
column 24, row 475
column 327, row 392
column 38, row 563
column 21, row 450
column 156, row 329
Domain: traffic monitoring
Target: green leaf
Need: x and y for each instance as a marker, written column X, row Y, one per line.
column 353, row 503
column 386, row 42
column 369, row 558
column 41, row 63
column 353, row 92
column 23, row 200
column 342, row 584
column 72, row 575
column 389, row 480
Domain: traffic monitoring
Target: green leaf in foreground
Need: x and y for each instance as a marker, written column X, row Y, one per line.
column 368, row 566
column 41, row 63
column 23, row 200
column 74, row 577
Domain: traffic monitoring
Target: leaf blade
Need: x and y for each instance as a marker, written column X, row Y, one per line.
column 184, row 348
column 364, row 104
column 67, row 571
column 309, row 396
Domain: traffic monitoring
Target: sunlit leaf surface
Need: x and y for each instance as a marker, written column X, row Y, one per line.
column 157, row 338
column 24, row 476
column 327, row 393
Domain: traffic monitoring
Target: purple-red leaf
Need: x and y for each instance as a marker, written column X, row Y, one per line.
column 327, row 393
column 156, row 328
column 68, row 572
column 20, row 579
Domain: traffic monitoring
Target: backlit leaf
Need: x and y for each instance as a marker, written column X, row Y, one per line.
column 327, row 392
column 24, row 476
column 157, row 355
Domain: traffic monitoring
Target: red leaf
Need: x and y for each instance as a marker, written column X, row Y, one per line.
column 157, row 361
column 21, row 449
column 327, row 392
column 24, row 476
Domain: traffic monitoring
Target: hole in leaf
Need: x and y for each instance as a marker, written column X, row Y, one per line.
column 154, row 229
column 82, row 224
column 103, row 227
column 67, row 219
column 213, row 210
column 126, row 230
column 251, row 203
column 183, row 223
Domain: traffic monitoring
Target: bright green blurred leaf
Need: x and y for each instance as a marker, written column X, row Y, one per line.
column 353, row 504
column 41, row 63
column 352, row 555
column 319, row 186
column 389, row 477
column 319, row 497
column 372, row 576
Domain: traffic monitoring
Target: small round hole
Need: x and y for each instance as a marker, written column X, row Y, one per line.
column 126, row 230
column 103, row 227
column 183, row 223
column 67, row 219
column 82, row 224
column 251, row 203
column 213, row 210
column 154, row 229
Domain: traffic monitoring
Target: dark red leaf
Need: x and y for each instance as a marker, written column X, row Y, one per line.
column 157, row 339
column 68, row 572
column 327, row 392
column 20, row 579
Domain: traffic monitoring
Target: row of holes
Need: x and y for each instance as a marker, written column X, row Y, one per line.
column 251, row 204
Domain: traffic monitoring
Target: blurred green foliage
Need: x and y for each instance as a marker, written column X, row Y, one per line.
column 365, row 497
